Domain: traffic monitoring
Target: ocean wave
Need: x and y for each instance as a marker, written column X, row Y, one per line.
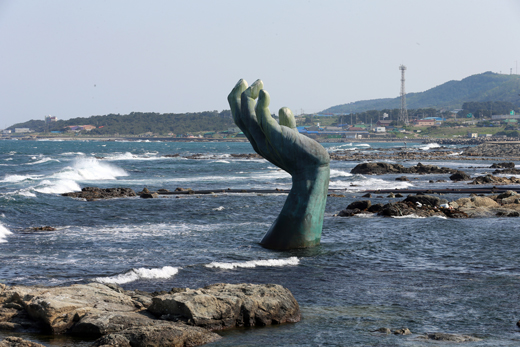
column 368, row 184
column 429, row 146
column 3, row 233
column 131, row 156
column 90, row 169
column 43, row 160
column 57, row 187
column 19, row 178
column 140, row 273
column 339, row 173
column 255, row 263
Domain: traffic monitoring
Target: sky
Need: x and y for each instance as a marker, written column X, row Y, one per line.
column 71, row 59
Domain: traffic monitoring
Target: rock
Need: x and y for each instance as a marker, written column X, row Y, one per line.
column 179, row 189
column 391, row 195
column 453, row 213
column 383, row 331
column 162, row 334
column 58, row 308
column 94, row 193
column 504, row 165
column 361, row 205
column 162, row 191
column 449, row 337
column 402, row 331
column 490, row 179
column 402, row 178
column 348, row 213
column 44, row 228
column 367, row 195
column 153, row 195
column 18, row 342
column 332, row 195
column 428, row 200
column 460, row 176
column 171, row 155
column 398, row 195
column 482, row 201
column 386, row 168
column 375, row 208
column 510, row 200
column 222, row 306
column 507, row 194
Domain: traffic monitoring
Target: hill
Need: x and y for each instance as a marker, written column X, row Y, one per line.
column 137, row 123
column 484, row 87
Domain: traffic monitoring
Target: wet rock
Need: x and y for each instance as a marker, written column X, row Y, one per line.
column 402, row 178
column 504, row 165
column 506, row 194
column 375, row 208
column 152, row 195
column 171, row 155
column 44, row 228
column 383, row 331
column 12, row 341
column 398, row 195
column 490, row 179
column 402, row 331
column 367, row 195
column 449, row 337
column 460, row 176
column 387, row 168
column 360, row 205
column 94, row 193
column 348, row 213
column 222, row 306
column 428, row 200
column 332, row 195
column 161, row 334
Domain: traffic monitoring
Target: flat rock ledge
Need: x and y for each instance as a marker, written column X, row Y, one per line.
column 117, row 317
column 12, row 341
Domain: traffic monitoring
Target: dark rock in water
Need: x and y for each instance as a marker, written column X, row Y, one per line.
column 367, row 195
column 375, row 208
column 377, row 168
column 12, row 341
column 348, row 213
column 383, row 331
column 449, row 337
column 152, row 195
column 386, row 168
column 398, row 195
column 510, row 214
column 460, row 176
column 490, row 179
column 44, row 228
column 402, row 331
column 510, row 171
column 428, row 200
column 504, row 165
column 222, row 306
column 94, row 193
column 171, row 155
column 162, row 191
column 178, row 189
column 453, row 213
column 332, row 195
column 361, row 205
column 402, row 178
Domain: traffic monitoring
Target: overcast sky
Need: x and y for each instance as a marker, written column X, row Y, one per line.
column 80, row 58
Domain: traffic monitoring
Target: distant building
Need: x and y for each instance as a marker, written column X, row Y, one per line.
column 22, row 130
column 87, row 127
column 380, row 129
column 423, row 122
column 6, row 131
column 505, row 116
column 383, row 123
column 49, row 119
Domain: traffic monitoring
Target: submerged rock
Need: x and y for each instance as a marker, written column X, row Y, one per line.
column 94, row 193
column 449, row 337
column 386, row 168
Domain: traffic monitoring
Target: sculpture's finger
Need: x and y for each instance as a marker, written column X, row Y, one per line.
column 234, row 102
column 286, row 118
column 263, row 115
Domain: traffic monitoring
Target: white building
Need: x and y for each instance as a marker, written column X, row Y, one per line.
column 22, row 130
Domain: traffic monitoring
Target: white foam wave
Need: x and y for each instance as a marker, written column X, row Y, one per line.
column 90, row 169
column 414, row 216
column 222, row 161
column 369, row 184
column 72, row 153
column 43, row 160
column 57, row 187
column 3, row 233
column 19, row 178
column 141, row 273
column 255, row 263
column 339, row 173
column 362, row 145
column 429, row 146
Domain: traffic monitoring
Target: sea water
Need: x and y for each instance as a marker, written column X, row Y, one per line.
column 426, row 274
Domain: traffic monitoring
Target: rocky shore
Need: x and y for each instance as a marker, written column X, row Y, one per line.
column 506, row 204
column 118, row 317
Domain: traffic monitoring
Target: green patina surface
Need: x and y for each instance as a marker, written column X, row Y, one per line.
column 300, row 222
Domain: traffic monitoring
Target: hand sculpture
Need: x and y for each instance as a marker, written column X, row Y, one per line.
column 300, row 222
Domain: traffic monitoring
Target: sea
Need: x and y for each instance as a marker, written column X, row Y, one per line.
column 459, row 276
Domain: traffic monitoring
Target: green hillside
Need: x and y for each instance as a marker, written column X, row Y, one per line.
column 487, row 86
column 137, row 123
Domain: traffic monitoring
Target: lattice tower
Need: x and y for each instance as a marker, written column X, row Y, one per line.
column 403, row 113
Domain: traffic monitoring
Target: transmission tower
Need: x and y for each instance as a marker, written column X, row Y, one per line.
column 403, row 113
